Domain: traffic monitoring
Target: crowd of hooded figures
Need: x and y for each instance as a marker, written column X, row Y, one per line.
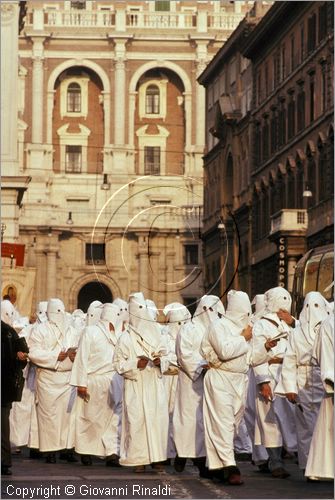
column 115, row 383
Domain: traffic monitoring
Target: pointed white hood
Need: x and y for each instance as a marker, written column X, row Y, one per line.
column 177, row 315
column 259, row 303
column 207, row 311
column 277, row 298
column 238, row 308
column 7, row 312
column 152, row 308
column 56, row 313
column 141, row 320
column 110, row 314
column 314, row 311
column 41, row 311
column 93, row 313
column 123, row 309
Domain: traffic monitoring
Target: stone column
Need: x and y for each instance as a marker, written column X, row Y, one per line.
column 37, row 90
column 9, row 89
column 143, row 263
column 107, row 117
column 119, row 94
column 201, row 94
column 188, row 120
column 52, row 250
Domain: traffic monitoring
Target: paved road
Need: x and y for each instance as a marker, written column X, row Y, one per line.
column 36, row 479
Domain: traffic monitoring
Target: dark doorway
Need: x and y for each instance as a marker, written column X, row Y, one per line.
column 95, row 290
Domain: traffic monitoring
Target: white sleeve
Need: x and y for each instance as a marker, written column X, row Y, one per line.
column 79, row 373
column 39, row 353
column 288, row 378
column 124, row 361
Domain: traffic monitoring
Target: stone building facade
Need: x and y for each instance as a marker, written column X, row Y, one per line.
column 269, row 147
column 226, row 229
column 112, row 134
column 293, row 138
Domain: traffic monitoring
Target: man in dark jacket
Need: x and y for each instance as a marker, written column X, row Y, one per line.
column 13, row 359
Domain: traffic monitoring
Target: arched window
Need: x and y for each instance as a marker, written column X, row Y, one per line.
column 74, row 98
column 152, row 100
column 300, row 184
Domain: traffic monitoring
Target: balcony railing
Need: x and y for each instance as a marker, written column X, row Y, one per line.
column 121, row 20
column 289, row 220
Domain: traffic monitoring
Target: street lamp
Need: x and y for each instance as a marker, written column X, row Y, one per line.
column 307, row 192
column 69, row 221
column 105, row 184
column 221, row 224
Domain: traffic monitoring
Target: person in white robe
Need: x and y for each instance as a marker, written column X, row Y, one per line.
column 188, row 426
column 225, row 347
column 141, row 358
column 93, row 313
column 52, row 346
column 275, row 423
column 23, row 418
column 176, row 316
column 99, row 387
column 320, row 462
column 78, row 320
column 300, row 380
column 123, row 312
column 259, row 454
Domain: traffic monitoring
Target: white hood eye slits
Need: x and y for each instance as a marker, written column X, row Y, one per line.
column 56, row 313
column 277, row 298
column 93, row 313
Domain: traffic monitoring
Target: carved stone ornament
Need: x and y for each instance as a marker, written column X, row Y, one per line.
column 7, row 12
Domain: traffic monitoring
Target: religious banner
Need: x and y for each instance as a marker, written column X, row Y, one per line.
column 13, row 251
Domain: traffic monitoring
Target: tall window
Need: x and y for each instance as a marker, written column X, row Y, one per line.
column 258, row 142
column 266, row 77
column 302, row 43
column 265, row 138
column 311, row 35
column 323, row 88
column 301, row 109
column 78, row 4
column 282, row 125
column 323, row 180
column 311, row 101
column 292, row 53
column 259, row 88
column 74, row 98
column 283, row 63
column 291, row 118
column 162, row 5
column 95, row 253
column 73, row 157
column 274, row 131
column 152, row 160
column 191, row 255
column 152, row 100
column 322, row 22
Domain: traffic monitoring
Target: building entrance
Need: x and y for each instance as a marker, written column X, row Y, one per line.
column 95, row 290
